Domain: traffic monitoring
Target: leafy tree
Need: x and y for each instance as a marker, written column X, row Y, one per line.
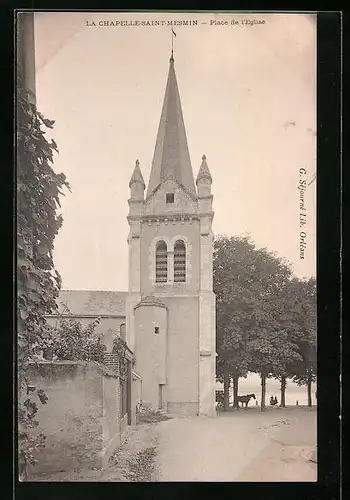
column 249, row 284
column 38, row 283
column 233, row 276
column 70, row 340
column 283, row 315
column 305, row 370
column 295, row 312
column 270, row 348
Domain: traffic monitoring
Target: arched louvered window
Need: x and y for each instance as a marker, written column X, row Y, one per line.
column 179, row 262
column 161, row 262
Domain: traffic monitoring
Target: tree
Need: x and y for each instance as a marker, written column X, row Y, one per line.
column 271, row 350
column 252, row 289
column 284, row 315
column 38, row 283
column 70, row 340
column 233, row 276
column 305, row 370
column 296, row 314
column 247, row 281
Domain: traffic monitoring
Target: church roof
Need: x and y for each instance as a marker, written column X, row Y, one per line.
column 92, row 302
column 171, row 155
column 204, row 172
column 150, row 300
column 137, row 175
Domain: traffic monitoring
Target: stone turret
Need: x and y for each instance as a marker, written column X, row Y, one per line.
column 137, row 190
column 204, row 181
column 137, row 184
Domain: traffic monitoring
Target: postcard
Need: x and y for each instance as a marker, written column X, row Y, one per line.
column 166, row 209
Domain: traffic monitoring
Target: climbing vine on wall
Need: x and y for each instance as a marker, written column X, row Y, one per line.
column 119, row 348
column 38, row 282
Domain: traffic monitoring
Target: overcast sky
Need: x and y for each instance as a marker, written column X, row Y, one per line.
column 249, row 102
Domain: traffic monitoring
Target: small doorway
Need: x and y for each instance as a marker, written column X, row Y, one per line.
column 161, row 396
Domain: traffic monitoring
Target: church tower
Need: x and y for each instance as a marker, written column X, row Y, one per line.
column 171, row 304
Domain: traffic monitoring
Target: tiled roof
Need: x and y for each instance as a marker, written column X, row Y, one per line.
column 92, row 302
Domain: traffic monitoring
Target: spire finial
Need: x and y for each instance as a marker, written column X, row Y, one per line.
column 137, row 163
column 204, row 157
column 172, row 45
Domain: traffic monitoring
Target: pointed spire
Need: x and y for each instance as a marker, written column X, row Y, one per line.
column 204, row 172
column 137, row 175
column 171, row 154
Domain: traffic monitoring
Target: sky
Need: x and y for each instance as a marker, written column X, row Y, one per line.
column 248, row 96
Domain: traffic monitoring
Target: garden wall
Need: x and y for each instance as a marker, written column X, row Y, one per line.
column 81, row 417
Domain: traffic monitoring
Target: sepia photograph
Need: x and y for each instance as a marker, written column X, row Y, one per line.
column 166, row 246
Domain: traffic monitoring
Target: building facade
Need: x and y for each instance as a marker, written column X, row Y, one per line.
column 171, row 304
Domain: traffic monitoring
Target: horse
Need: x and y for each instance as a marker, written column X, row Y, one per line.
column 245, row 399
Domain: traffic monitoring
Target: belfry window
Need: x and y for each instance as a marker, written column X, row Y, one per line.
column 179, row 262
column 169, row 197
column 161, row 262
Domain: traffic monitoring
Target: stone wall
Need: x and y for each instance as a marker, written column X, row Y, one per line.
column 80, row 419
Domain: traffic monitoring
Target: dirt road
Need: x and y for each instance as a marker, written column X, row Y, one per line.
column 245, row 445
column 240, row 446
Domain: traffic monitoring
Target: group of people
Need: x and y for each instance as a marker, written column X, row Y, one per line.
column 273, row 401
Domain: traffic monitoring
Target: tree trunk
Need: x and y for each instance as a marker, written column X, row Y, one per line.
column 235, row 391
column 309, row 397
column 263, row 391
column 226, row 388
column 283, row 392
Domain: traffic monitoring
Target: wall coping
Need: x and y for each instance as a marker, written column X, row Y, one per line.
column 104, row 370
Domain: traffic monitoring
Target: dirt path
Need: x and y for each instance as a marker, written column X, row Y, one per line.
column 290, row 455
column 240, row 446
column 134, row 461
column 245, row 445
